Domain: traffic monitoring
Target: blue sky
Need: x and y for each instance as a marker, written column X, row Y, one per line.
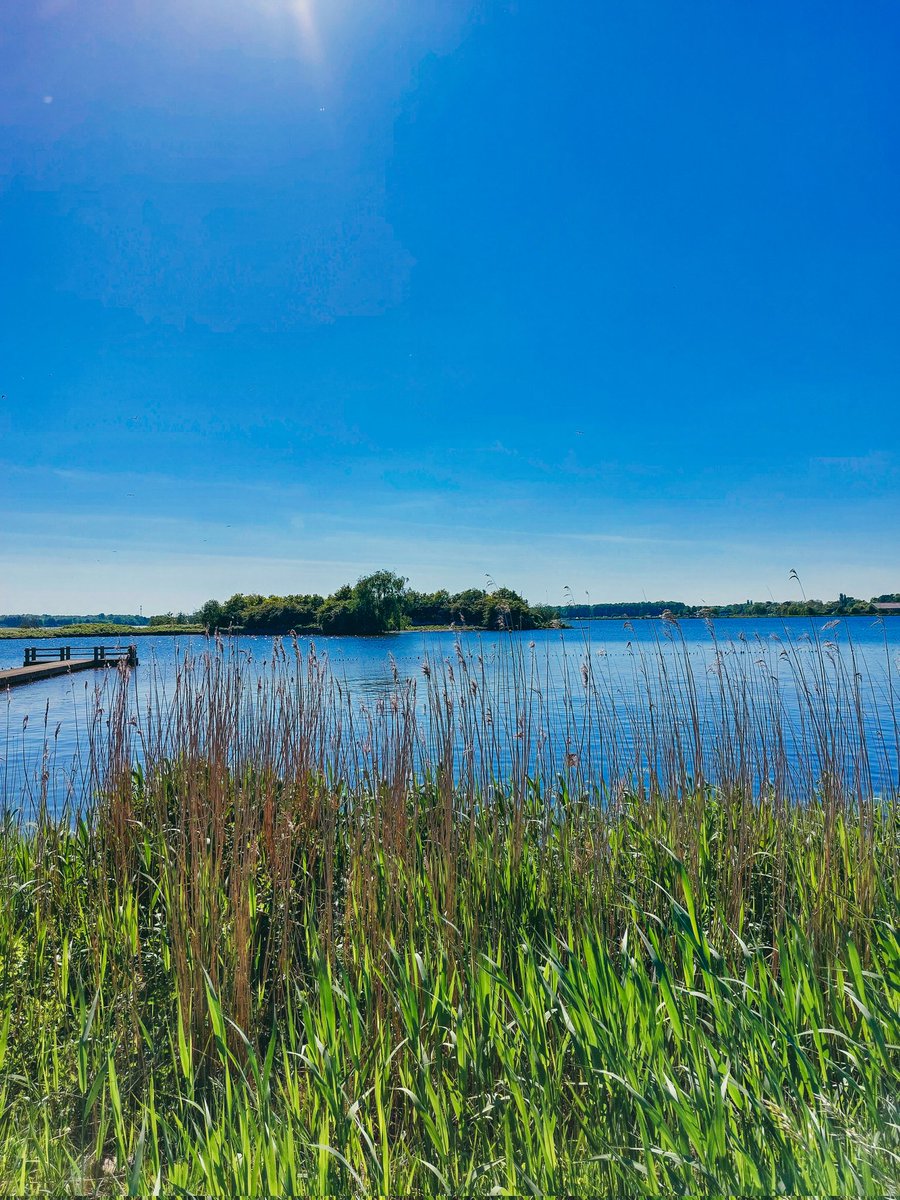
column 592, row 295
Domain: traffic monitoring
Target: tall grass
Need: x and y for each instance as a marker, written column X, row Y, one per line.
column 486, row 931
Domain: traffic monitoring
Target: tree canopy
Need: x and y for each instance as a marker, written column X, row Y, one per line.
column 376, row 603
column 382, row 602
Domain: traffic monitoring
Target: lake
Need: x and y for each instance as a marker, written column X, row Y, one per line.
column 596, row 683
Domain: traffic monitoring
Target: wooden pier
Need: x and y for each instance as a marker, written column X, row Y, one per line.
column 46, row 662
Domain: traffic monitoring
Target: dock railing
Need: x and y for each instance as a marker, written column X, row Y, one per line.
column 40, row 654
column 102, row 656
column 112, row 655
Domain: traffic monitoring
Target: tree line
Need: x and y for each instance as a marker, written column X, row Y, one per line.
column 844, row 605
column 376, row 603
column 51, row 621
column 382, row 601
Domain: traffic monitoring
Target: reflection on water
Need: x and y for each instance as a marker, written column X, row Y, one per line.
column 590, row 696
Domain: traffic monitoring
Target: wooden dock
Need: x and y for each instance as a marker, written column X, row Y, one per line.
column 46, row 662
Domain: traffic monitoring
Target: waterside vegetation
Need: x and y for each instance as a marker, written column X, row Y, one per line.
column 33, row 621
column 99, row 629
column 382, row 602
column 302, row 945
column 844, row 606
column 377, row 603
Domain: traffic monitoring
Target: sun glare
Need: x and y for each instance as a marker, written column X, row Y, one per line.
column 298, row 22
column 303, row 15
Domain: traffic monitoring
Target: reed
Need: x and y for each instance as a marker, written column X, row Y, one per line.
column 482, row 931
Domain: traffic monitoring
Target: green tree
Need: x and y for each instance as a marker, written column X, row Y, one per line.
column 281, row 614
column 234, row 608
column 211, row 615
column 340, row 616
column 379, row 601
column 428, row 608
column 467, row 607
column 506, row 609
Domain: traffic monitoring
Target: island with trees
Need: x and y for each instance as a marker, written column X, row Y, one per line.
column 382, row 602
column 376, row 603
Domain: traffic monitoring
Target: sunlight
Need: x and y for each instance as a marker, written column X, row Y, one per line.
column 296, row 23
column 303, row 12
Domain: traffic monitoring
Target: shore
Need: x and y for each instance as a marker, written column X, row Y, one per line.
column 123, row 632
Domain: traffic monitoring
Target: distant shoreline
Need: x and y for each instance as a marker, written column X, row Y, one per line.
column 43, row 632
column 121, row 632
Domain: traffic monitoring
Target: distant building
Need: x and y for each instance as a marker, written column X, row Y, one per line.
column 887, row 606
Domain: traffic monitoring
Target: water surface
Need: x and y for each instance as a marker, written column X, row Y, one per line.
column 620, row 667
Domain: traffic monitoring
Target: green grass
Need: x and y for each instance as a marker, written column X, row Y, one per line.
column 102, row 629
column 254, row 970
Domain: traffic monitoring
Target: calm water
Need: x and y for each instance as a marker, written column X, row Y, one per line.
column 43, row 726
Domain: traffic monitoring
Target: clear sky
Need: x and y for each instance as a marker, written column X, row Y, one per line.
column 585, row 294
